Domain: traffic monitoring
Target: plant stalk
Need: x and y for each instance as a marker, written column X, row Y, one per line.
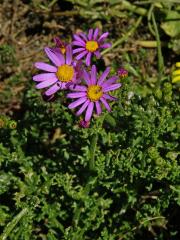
column 125, row 37
column 12, row 224
column 160, row 57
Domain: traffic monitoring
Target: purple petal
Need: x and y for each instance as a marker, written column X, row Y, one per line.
column 76, row 95
column 78, row 88
column 44, row 77
column 109, row 97
column 46, row 83
column 56, row 51
column 106, row 104
column 98, row 108
column 97, row 54
column 77, row 43
column 103, row 76
column 70, row 84
column 112, row 87
column 105, row 45
column 52, row 90
column 89, row 111
column 58, row 42
column 109, row 81
column 63, row 85
column 77, row 38
column 75, row 80
column 45, row 67
column 103, row 36
column 81, row 55
column 78, row 65
column 93, row 75
column 79, row 72
column 86, row 77
column 77, row 102
column 88, row 59
column 96, row 32
column 53, row 57
column 90, row 34
column 58, row 54
column 83, row 107
column 69, row 54
column 83, row 35
column 78, row 50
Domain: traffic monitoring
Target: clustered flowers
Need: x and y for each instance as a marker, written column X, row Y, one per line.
column 176, row 74
column 88, row 90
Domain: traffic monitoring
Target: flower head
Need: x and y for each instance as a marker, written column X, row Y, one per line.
column 12, row 124
column 60, row 76
column 122, row 72
column 84, row 124
column 60, row 46
column 94, row 93
column 88, row 45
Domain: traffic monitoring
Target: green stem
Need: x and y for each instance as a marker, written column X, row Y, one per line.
column 87, row 188
column 126, row 5
column 160, row 57
column 91, row 179
column 149, row 15
column 92, row 151
column 12, row 224
column 125, row 37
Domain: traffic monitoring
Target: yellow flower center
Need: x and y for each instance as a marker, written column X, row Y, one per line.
column 94, row 92
column 65, row 73
column 91, row 46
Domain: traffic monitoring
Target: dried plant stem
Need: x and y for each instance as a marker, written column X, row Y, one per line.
column 149, row 44
column 65, row 13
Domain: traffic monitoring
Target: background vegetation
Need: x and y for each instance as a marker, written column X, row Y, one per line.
column 48, row 190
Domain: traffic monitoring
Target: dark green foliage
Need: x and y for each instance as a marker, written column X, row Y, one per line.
column 134, row 187
column 6, row 54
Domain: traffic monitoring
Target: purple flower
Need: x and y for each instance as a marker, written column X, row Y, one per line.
column 84, row 124
column 122, row 72
column 90, row 44
column 94, row 93
column 60, row 46
column 64, row 73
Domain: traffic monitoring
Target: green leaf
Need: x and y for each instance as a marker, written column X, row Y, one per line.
column 110, row 120
column 171, row 26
